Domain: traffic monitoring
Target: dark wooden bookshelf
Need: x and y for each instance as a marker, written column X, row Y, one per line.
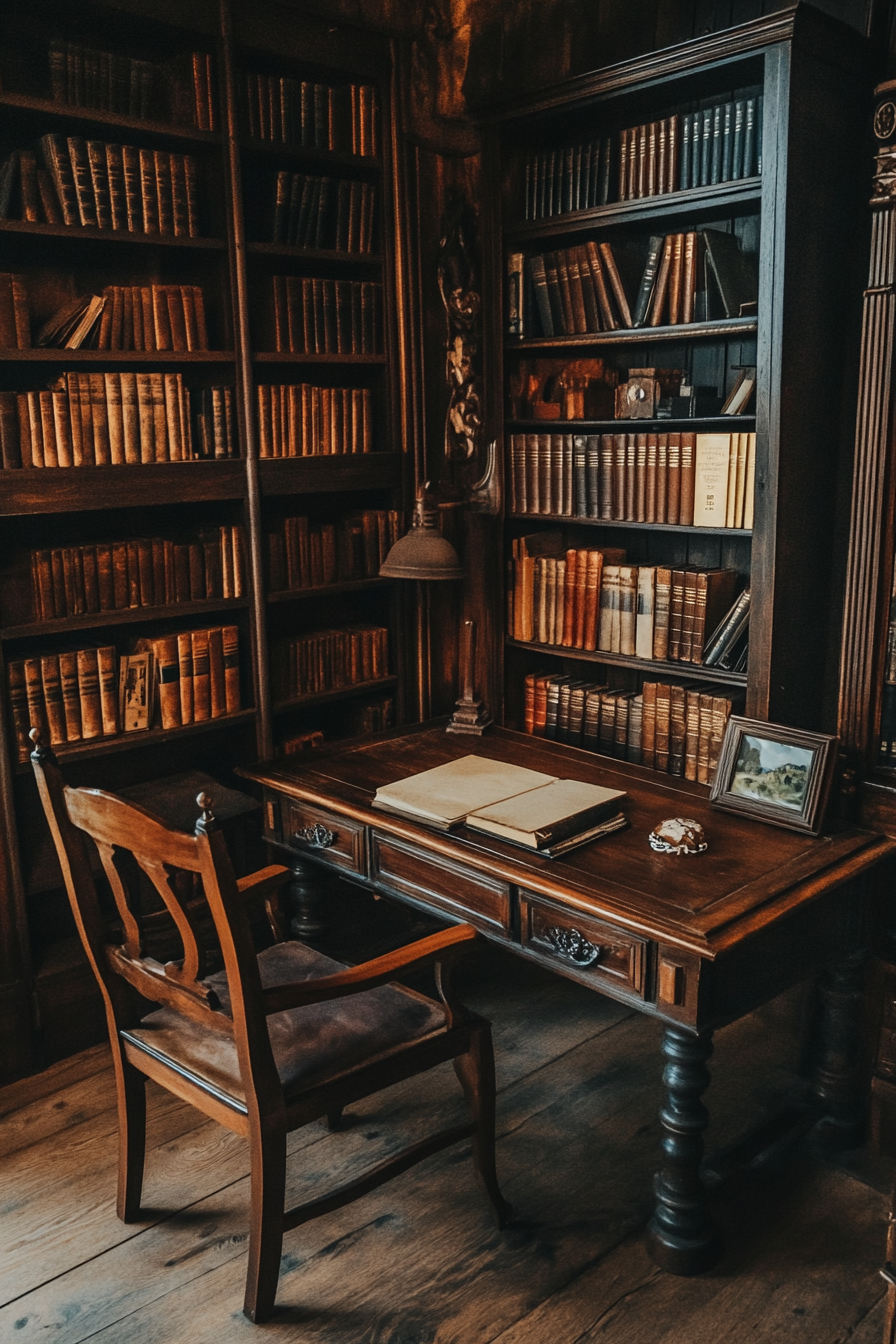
column 74, row 506
column 340, row 693
column 796, row 337
column 137, row 741
column 659, row 667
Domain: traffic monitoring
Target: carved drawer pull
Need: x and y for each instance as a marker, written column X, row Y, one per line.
column 317, row 836
column 572, row 945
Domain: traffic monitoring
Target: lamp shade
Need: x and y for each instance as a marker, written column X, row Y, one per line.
column 423, row 553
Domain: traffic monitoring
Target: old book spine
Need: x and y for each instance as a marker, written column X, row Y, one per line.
column 99, row 418
column 676, row 280
column 80, row 166
column 99, row 177
column 593, row 590
column 704, row 737
column 107, row 668
column 201, row 677
column 628, row 604
column 658, row 302
column 662, row 603
column 56, row 157
column 185, row 676
column 48, row 429
column 648, row 724
column 689, row 277
column 162, row 164
column 677, row 730
column 673, row 480
column 52, row 693
column 686, row 501
column 663, row 726
column 631, row 483
column 230, row 636
column 149, row 195
column 676, row 613
column 688, row 613
column 89, row 691
column 165, row 652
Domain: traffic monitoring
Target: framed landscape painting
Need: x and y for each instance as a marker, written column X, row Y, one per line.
column 777, row 774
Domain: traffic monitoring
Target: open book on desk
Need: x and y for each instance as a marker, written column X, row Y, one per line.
column 525, row 807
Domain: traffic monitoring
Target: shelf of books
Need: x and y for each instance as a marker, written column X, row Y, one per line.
column 664, row 523
column 199, row 468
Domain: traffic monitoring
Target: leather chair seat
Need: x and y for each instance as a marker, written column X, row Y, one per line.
column 311, row 1044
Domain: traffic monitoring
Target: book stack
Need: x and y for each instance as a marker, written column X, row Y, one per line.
column 649, row 159
column 96, row 419
column 179, row 90
column 142, row 572
column 198, row 674
column 722, row 143
column 130, row 317
column 92, row 184
column 213, row 431
column 591, row 600
column 324, row 212
column 327, row 660
column 685, row 277
column 15, row 327
column 72, row 696
column 318, row 116
column 559, row 181
column 677, row 729
column 298, row 420
column 317, row 316
column 303, row 555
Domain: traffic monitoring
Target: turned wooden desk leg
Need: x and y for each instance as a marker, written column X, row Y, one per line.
column 307, row 891
column 838, row 1086
column 681, row 1236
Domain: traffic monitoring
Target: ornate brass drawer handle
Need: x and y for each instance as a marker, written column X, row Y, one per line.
column 572, row 945
column 317, row 836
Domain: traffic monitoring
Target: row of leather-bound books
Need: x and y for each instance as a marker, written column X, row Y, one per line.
column 324, row 212
column 123, row 317
column 302, row 554
column 328, row 660
column 721, row 143
column 702, row 480
column 677, row 729
column 591, row 600
column 319, row 316
column 117, row 419
column 573, row 177
column 141, row 572
column 301, row 420
column 94, row 184
column 342, row 118
column 88, row 693
column 178, row 90
column 15, row 321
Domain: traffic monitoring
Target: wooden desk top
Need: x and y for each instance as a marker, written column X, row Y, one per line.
column 751, row 875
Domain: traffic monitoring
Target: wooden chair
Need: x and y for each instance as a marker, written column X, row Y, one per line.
column 275, row 1040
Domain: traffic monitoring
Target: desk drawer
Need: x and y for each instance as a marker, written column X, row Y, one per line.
column 324, row 834
column 440, row 883
column 594, row 951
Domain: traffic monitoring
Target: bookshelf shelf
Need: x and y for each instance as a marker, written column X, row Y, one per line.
column 325, row 590
column 723, row 327
column 695, row 202
column 647, row 665
column 314, row 254
column 631, row 426
column 294, row 475
column 88, row 234
column 57, row 355
column 295, row 357
column 78, row 489
column 92, row 116
column 341, row 693
column 137, row 741
column 98, row 620
column 632, row 525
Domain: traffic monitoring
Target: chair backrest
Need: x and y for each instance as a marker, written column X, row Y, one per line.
column 131, row 840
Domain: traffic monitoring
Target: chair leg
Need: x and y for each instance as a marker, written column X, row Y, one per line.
column 268, row 1180
column 476, row 1072
column 131, row 1086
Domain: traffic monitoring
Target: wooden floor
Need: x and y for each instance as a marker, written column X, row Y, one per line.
column 419, row 1261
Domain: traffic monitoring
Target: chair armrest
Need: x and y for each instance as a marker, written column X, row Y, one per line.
column 264, row 882
column 370, row 974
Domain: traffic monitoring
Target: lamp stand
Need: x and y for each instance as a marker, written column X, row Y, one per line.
column 470, row 714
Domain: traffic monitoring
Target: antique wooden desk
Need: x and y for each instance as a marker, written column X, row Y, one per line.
column 695, row 941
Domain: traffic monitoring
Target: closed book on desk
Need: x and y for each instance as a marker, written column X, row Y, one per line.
column 445, row 795
column 546, row 815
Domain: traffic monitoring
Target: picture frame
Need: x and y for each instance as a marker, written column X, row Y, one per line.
column 774, row 773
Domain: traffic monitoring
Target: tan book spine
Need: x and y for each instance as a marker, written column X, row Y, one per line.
column 232, row 669
column 581, row 599
column 648, row 724
column 593, row 588
column 147, row 317
column 48, row 429
column 677, row 730
column 130, row 160
column 173, row 420
column 569, row 601
column 749, row 484
column 721, row 712
column 77, row 150
column 609, row 264
column 99, row 176
column 686, row 503
column 145, row 417
column 185, row 676
column 645, row 612
column 99, row 417
column 663, row 726
column 526, row 588
column 159, row 417
column 218, row 697
column 161, row 322
column 163, row 191
column 107, row 667
column 691, row 733
column 539, row 601
column 731, row 492
column 71, row 697
column 675, row 280
column 36, row 429
column 165, row 652
column 89, row 690
column 34, row 695
column 115, row 418
column 662, row 478
column 180, row 219
column 149, row 194
column 662, row 602
column 661, row 288
column 673, row 480
column 130, row 418
column 628, row 607
column 676, row 613
column 711, row 459
column 52, row 690
column 689, row 277
column 689, row 614
column 704, row 737
column 201, row 677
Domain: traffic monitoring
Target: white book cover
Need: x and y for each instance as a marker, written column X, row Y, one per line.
column 711, row 479
column 447, row 793
column 644, row 620
column 541, row 810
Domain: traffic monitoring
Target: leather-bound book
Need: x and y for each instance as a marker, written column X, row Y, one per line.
column 118, row 209
column 652, row 136
column 149, row 194
column 640, row 501
column 569, row 320
column 107, row 670
column 616, row 285
column 48, row 429
column 620, row 737
column 660, row 295
column 145, row 418
column 676, row 279
column 201, row 677
column 580, row 600
column 59, row 166
column 192, row 187
column 623, row 164
column 713, row 596
column 608, row 609
column 619, row 461
column 541, row 705
column 71, row 696
column 689, row 277
column 576, row 291
column 662, row 478
column 607, row 453
column 662, row 604
column 89, row 691
column 631, row 483
column 648, row 724
column 655, row 252
column 34, row 690
column 594, row 568
column 133, row 197
column 650, row 484
column 599, row 282
column 663, row 726
column 673, row 152
column 83, row 183
column 99, row 177
column 704, row 738
column 592, row 475
column 52, row 692
column 677, row 730
column 10, row 432
column 539, row 283
column 591, row 719
column 589, row 291
column 673, row 479
column 628, row 607
column 688, row 608
column 645, row 611
column 529, row 702
column 185, row 676
column 159, row 417
column 217, row 695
